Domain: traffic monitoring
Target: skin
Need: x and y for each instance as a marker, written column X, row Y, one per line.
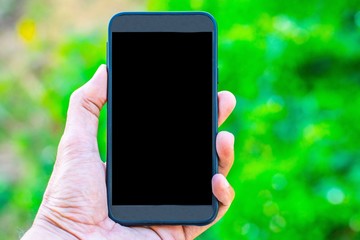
column 74, row 204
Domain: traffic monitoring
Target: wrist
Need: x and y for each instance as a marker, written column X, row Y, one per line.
column 42, row 230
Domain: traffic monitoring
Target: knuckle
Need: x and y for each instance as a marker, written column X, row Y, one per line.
column 76, row 96
column 81, row 99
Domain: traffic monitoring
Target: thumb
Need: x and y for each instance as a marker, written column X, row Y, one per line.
column 85, row 105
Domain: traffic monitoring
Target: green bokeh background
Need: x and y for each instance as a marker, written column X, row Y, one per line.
column 294, row 67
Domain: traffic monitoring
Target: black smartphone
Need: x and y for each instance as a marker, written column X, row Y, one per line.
column 162, row 118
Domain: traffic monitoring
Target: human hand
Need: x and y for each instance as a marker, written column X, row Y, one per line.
column 74, row 205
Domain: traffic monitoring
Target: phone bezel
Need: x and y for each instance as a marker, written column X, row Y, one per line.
column 161, row 22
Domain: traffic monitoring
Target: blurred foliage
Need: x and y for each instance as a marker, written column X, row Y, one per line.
column 41, row 63
column 295, row 70
column 293, row 66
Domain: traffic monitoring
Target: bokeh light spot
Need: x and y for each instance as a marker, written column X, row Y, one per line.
column 279, row 181
column 316, row 132
column 354, row 223
column 270, row 208
column 277, row 223
column 335, row 196
column 250, row 230
column 357, row 19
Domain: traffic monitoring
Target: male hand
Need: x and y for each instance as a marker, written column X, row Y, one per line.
column 74, row 205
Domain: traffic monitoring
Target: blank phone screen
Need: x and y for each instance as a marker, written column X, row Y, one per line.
column 162, row 118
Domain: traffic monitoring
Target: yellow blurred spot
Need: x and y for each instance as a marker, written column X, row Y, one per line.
column 26, row 30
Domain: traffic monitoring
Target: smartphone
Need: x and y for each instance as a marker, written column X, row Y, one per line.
column 162, row 118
